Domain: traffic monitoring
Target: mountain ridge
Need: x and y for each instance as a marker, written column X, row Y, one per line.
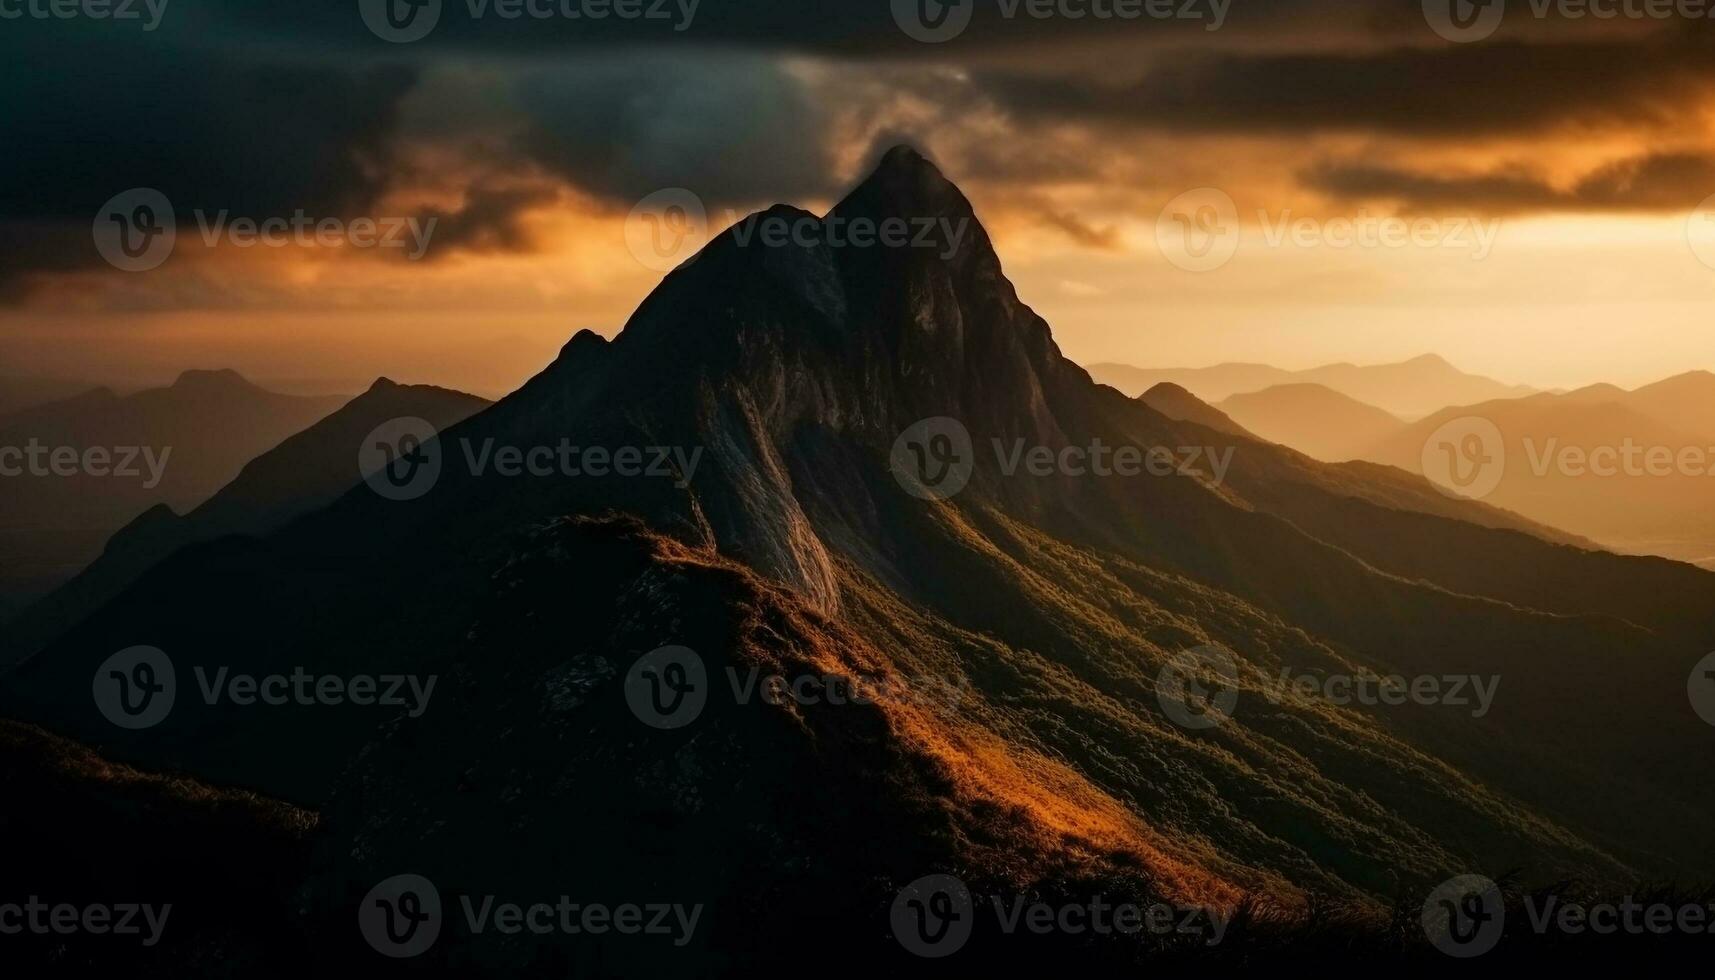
column 1409, row 389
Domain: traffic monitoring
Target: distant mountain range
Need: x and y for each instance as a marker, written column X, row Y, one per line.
column 1666, row 513
column 304, row 473
column 854, row 518
column 87, row 465
column 1557, row 447
column 1410, row 390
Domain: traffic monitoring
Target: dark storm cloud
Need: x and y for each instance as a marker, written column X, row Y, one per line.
column 35, row 248
column 489, row 220
column 89, row 115
column 850, row 27
column 265, row 107
column 1443, row 92
column 735, row 131
column 1657, row 182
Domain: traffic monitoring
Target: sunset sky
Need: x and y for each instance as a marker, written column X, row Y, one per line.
column 1583, row 147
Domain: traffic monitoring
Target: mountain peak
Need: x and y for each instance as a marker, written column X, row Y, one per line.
column 1167, row 389
column 903, row 156
column 905, row 184
column 584, row 338
column 1175, row 402
column 383, row 384
column 222, row 379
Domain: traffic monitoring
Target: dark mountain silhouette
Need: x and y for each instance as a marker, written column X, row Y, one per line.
column 1177, row 403
column 226, row 861
column 1050, row 604
column 304, row 473
column 1410, row 390
column 1312, row 419
column 19, row 393
column 171, row 446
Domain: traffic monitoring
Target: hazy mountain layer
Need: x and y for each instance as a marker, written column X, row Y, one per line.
column 1632, row 470
column 302, row 474
column 119, row 456
column 1410, row 390
column 1312, row 419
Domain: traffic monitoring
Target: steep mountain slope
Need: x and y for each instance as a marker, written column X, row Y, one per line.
column 302, row 474
column 1410, row 389
column 1177, row 403
column 802, row 542
column 1211, row 384
column 172, row 446
column 1312, row 419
